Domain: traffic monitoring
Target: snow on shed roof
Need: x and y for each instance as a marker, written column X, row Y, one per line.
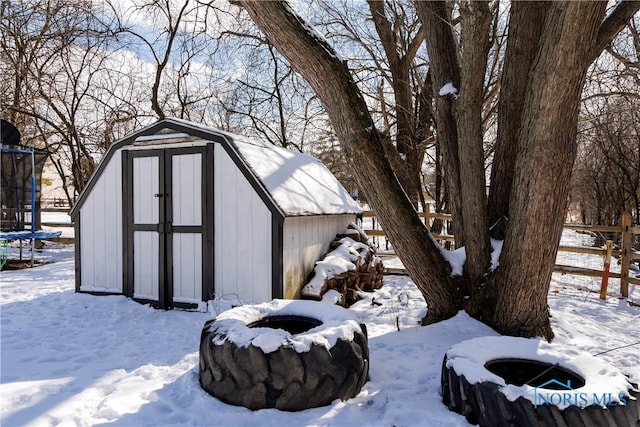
column 298, row 183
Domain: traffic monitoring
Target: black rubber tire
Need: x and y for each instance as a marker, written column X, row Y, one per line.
column 282, row 379
column 484, row 404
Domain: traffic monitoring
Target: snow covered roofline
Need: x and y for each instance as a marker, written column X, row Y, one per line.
column 300, row 184
column 290, row 183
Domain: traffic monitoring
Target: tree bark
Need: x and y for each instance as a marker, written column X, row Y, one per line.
column 311, row 56
column 515, row 301
column 444, row 68
column 476, row 21
column 526, row 24
column 525, row 27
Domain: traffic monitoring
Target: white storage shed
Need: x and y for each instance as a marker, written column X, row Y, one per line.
column 179, row 213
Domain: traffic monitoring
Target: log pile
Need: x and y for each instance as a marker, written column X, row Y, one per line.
column 349, row 267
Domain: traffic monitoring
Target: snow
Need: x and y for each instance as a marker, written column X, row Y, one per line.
column 455, row 257
column 309, row 29
column 496, row 250
column 448, row 89
column 338, row 261
column 300, row 184
column 79, row 359
column 337, row 323
column 157, row 137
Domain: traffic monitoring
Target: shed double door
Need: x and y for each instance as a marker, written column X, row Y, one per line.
column 166, row 227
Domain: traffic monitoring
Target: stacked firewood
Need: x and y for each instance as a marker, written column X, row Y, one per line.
column 350, row 266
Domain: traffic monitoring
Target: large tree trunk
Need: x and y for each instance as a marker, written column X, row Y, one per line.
column 515, row 301
column 526, row 24
column 317, row 62
column 476, row 22
column 525, row 27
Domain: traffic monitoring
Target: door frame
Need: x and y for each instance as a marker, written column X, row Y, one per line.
column 164, row 227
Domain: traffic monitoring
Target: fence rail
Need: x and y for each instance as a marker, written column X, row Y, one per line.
column 625, row 253
column 54, row 202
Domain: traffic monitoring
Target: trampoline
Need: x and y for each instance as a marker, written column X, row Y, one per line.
column 20, row 173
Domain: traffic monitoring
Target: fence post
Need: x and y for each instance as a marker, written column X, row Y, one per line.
column 625, row 254
column 605, row 273
column 427, row 215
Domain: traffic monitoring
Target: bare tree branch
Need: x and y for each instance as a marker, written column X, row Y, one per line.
column 612, row 25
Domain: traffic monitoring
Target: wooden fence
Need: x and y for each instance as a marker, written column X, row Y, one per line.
column 625, row 253
column 54, row 202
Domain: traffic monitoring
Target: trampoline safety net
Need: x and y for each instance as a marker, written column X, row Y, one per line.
column 15, row 182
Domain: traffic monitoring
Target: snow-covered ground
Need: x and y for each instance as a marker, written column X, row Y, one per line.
column 78, row 359
column 58, row 217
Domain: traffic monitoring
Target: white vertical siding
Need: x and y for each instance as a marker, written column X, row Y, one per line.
column 146, row 251
column 187, row 210
column 146, row 186
column 242, row 235
column 261, row 262
column 101, row 231
column 186, row 194
column 187, row 267
column 306, row 239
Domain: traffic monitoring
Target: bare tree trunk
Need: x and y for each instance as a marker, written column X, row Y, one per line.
column 476, row 22
column 525, row 27
column 515, row 302
column 316, row 61
column 444, row 69
column 172, row 30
